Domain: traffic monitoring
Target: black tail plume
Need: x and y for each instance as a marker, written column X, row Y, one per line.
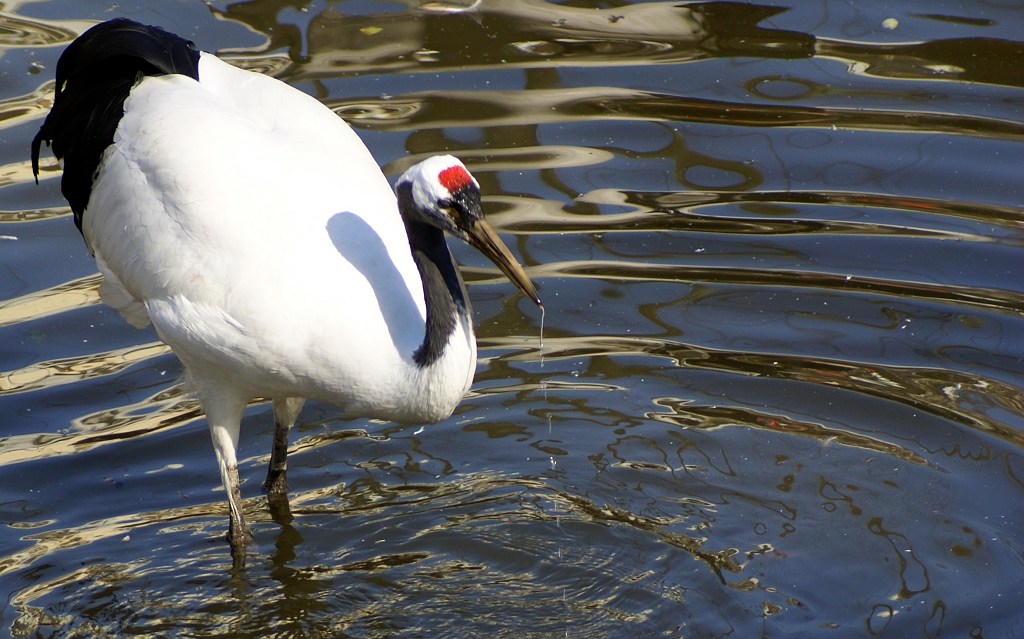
column 94, row 76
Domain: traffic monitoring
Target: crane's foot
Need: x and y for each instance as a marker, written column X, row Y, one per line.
column 239, row 540
column 277, row 495
column 239, row 536
column 277, row 483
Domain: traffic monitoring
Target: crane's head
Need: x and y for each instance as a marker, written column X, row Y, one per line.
column 439, row 191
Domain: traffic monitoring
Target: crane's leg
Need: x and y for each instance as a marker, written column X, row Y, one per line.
column 286, row 411
column 224, row 415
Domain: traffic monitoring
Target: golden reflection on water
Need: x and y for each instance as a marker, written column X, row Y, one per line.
column 473, row 496
column 57, row 299
column 22, row 109
column 643, row 271
column 683, row 414
column 496, row 108
column 71, row 370
column 33, row 215
column 642, row 471
column 18, row 32
column 167, row 409
column 958, row 397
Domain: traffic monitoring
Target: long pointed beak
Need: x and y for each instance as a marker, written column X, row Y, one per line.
column 482, row 237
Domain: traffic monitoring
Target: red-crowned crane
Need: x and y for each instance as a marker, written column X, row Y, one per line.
column 253, row 228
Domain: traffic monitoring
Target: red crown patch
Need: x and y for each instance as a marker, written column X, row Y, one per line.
column 454, row 178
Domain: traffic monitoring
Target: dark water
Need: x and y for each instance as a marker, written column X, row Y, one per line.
column 779, row 393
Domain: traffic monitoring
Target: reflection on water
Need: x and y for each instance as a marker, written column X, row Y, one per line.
column 779, row 391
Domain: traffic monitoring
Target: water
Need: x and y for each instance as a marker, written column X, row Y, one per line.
column 779, row 392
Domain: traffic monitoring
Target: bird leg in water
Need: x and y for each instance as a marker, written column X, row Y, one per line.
column 239, row 534
column 224, row 416
column 286, row 411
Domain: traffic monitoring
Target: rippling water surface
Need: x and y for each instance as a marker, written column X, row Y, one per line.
column 779, row 391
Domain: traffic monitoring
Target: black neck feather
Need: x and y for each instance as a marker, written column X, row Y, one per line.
column 443, row 289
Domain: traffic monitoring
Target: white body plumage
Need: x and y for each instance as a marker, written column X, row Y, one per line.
column 269, row 236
